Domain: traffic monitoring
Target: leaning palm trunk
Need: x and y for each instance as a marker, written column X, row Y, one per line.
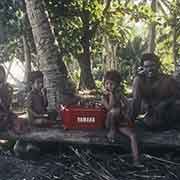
column 110, row 53
column 50, row 62
column 175, row 44
column 175, row 34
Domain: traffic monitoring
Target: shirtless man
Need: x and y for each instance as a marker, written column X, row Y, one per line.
column 159, row 94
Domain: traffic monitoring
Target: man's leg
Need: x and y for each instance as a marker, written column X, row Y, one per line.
column 134, row 147
column 168, row 115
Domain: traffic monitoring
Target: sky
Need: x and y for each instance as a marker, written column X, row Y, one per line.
column 17, row 70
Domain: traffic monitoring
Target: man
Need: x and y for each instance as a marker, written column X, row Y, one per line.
column 159, row 94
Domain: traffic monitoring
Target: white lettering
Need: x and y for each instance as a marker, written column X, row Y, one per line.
column 86, row 119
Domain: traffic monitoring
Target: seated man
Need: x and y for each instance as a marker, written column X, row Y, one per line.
column 37, row 101
column 6, row 116
column 158, row 92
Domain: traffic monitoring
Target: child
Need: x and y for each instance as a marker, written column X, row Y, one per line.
column 37, row 100
column 6, row 116
column 116, row 105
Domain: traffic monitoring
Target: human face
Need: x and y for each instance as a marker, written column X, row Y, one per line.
column 150, row 68
column 110, row 85
column 38, row 83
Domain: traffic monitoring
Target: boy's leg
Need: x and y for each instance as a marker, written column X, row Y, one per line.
column 107, row 121
column 113, row 116
column 134, row 147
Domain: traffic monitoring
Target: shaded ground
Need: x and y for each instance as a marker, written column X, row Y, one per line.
column 88, row 164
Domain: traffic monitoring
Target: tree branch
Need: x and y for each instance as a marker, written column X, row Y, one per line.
column 94, row 28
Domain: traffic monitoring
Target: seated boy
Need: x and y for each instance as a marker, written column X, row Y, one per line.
column 117, row 107
column 37, row 101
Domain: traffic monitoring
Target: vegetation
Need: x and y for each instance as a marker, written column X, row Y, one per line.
column 88, row 37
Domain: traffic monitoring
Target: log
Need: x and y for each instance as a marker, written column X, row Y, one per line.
column 170, row 138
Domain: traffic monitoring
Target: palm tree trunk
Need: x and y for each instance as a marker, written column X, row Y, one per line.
column 175, row 37
column 152, row 30
column 86, row 77
column 110, row 54
column 175, row 43
column 114, row 53
column 2, row 32
column 51, row 64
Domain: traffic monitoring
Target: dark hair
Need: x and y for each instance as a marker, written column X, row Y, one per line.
column 150, row 57
column 35, row 75
column 113, row 75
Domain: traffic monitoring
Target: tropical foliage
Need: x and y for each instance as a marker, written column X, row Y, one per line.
column 94, row 36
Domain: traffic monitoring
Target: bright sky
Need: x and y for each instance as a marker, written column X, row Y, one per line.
column 17, row 72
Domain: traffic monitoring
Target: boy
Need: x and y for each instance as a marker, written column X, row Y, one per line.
column 37, row 100
column 116, row 105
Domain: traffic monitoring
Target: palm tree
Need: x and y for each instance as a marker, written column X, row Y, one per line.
column 152, row 30
column 51, row 64
column 172, row 8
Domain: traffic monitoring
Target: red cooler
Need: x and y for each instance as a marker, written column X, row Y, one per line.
column 77, row 117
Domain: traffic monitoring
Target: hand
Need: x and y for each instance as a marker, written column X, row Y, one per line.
column 106, row 92
column 111, row 95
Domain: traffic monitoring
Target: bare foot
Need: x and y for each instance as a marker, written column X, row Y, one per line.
column 111, row 136
column 137, row 164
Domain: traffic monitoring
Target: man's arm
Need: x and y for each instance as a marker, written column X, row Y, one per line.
column 136, row 100
column 45, row 99
column 174, row 88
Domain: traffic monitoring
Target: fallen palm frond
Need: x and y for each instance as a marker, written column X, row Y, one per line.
column 80, row 164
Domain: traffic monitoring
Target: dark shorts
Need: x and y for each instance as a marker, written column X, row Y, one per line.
column 168, row 115
column 141, row 126
column 52, row 114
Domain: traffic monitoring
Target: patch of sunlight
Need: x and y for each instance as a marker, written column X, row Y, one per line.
column 16, row 74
